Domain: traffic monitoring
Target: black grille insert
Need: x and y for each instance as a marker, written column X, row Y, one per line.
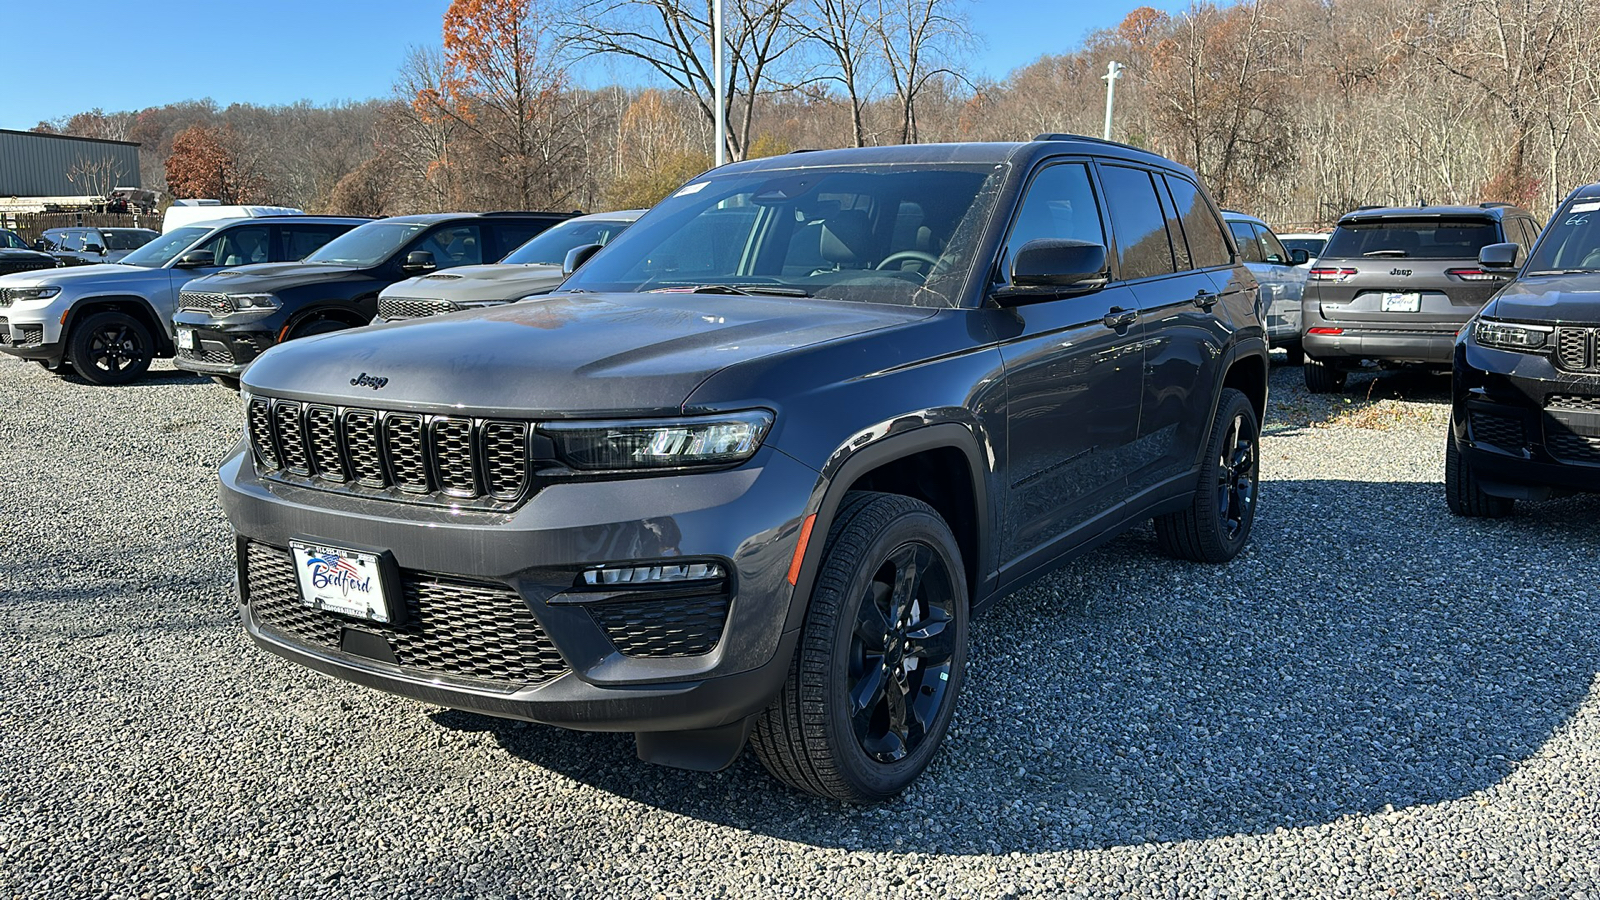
column 453, row 626
column 1569, row 447
column 1575, row 348
column 291, row 437
column 1501, row 431
column 649, row 627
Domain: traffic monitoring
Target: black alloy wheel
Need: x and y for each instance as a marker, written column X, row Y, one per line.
column 110, row 348
column 1236, row 478
column 1217, row 522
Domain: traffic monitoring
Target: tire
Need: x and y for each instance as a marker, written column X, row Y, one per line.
column 110, row 348
column 816, row 737
column 1217, row 522
column 227, row 381
column 1322, row 378
column 1461, row 490
column 1295, row 356
column 317, row 326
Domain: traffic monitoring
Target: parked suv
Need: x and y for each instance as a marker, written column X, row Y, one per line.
column 85, row 246
column 1395, row 285
column 748, row 473
column 17, row 256
column 226, row 320
column 533, row 268
column 1282, row 280
column 110, row 320
column 1525, row 401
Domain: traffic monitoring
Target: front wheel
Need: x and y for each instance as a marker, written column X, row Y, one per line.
column 110, row 348
column 1214, row 526
column 882, row 655
column 1462, row 492
column 318, row 326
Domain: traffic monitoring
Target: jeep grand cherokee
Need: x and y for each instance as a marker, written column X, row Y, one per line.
column 747, row 475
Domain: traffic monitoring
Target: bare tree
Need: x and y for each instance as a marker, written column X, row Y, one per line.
column 919, row 43
column 846, row 31
column 95, row 176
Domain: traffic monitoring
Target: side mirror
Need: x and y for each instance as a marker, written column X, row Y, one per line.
column 196, row 259
column 1299, row 256
column 1049, row 268
column 1500, row 256
column 40, row 245
column 418, row 261
column 95, row 249
column 577, row 256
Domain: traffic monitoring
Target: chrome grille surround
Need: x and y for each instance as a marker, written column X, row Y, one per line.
column 441, row 460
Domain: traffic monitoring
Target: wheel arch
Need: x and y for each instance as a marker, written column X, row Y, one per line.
column 131, row 304
column 319, row 312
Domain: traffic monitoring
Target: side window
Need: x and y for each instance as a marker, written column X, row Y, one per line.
column 512, row 235
column 1142, row 243
column 240, row 246
column 72, row 240
column 1244, row 234
column 1531, row 230
column 1060, row 204
column 297, row 241
column 1200, row 225
column 1180, row 246
column 1272, row 247
column 52, row 240
column 454, row 245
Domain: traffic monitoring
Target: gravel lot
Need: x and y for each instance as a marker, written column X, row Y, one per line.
column 1375, row 699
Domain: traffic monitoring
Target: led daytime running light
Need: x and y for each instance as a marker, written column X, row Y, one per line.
column 1511, row 335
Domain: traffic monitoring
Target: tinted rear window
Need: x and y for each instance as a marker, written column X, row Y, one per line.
column 1414, row 238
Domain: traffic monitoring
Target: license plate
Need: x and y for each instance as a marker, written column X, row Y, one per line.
column 1408, row 302
column 347, row 582
column 186, row 338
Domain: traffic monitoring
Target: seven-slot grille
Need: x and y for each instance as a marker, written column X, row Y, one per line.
column 453, row 626
column 397, row 455
column 216, row 305
column 1575, row 349
column 393, row 309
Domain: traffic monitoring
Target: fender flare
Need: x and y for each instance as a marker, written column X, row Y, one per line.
column 161, row 332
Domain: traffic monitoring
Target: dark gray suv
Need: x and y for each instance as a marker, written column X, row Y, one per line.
column 749, row 472
column 1393, row 286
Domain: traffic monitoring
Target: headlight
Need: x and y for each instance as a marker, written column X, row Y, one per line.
column 22, row 295
column 1510, row 335
column 660, row 443
column 252, row 302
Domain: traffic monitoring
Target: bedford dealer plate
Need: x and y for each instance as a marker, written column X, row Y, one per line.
column 347, row 582
column 1402, row 302
column 186, row 338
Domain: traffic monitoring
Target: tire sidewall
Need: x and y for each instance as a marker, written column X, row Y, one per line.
column 1233, row 404
column 80, row 351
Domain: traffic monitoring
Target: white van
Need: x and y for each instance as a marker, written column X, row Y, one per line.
column 180, row 213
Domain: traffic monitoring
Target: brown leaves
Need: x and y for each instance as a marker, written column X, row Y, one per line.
column 204, row 165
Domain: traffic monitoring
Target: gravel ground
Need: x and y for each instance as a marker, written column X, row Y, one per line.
column 1375, row 699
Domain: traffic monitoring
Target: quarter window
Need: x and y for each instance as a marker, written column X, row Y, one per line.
column 1200, row 225
column 1143, row 247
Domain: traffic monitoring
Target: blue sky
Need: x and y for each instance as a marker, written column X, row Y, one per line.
column 282, row 51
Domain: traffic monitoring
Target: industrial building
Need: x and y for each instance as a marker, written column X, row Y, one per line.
column 39, row 172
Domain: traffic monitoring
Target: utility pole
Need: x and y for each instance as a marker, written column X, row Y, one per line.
column 1113, row 72
column 716, row 90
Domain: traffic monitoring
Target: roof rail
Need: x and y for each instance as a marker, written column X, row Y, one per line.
column 1067, row 136
column 530, row 212
column 1493, row 204
column 803, row 150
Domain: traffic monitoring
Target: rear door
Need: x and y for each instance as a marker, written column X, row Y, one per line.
column 294, row 241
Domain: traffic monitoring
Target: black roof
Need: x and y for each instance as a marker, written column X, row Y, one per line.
column 959, row 153
column 430, row 218
column 1482, row 210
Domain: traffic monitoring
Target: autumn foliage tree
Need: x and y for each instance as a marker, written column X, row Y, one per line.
column 203, row 165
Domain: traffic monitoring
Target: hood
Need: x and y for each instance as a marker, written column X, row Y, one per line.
column 264, row 277
column 99, row 273
column 563, row 355
column 17, row 253
column 466, row 284
column 1550, row 298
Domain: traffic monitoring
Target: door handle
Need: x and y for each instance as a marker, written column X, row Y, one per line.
column 1120, row 318
column 1206, row 299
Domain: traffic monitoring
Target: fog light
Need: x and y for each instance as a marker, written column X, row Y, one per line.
column 660, row 574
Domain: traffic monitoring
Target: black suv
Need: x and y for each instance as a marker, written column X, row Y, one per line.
column 1395, row 285
column 226, row 320
column 1525, row 410
column 17, row 256
column 749, row 471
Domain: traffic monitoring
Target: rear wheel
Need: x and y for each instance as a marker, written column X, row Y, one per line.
column 1323, row 378
column 882, row 655
column 110, row 348
column 1461, row 489
column 1217, row 522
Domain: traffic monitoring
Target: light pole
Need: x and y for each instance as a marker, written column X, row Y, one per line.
column 716, row 88
column 1113, row 72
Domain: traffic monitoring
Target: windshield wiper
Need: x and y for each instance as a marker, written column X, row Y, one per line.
column 749, row 289
column 1385, row 253
column 1564, row 272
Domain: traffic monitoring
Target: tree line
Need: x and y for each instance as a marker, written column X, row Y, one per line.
column 1296, row 110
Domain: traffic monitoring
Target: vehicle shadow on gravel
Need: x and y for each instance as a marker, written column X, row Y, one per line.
column 1399, row 658
column 152, row 378
column 1371, row 399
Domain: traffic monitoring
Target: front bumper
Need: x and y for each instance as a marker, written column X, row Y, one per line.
column 748, row 518
column 1529, row 430
column 31, row 331
column 221, row 348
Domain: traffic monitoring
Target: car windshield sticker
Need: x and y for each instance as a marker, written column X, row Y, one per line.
column 1590, row 206
column 700, row 186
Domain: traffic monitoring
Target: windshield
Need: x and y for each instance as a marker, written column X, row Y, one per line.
column 1428, row 238
column 165, row 248
column 1571, row 241
column 366, row 245
column 551, row 247
column 1312, row 246
column 127, row 240
column 11, row 241
column 890, row 233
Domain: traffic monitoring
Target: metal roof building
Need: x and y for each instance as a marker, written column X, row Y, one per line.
column 39, row 165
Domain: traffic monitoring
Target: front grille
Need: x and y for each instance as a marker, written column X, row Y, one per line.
column 1573, row 402
column 214, row 305
column 686, row 626
column 452, row 627
column 209, row 352
column 1501, row 431
column 443, row 460
column 1575, row 349
column 393, row 309
column 1569, row 447
column 5, row 331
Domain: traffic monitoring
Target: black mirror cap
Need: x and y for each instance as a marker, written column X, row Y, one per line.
column 195, row 259
column 1299, row 256
column 1051, row 267
column 418, row 261
column 577, row 256
column 1500, row 256
column 94, row 248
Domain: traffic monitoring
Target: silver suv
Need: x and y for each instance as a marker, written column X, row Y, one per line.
column 110, row 320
